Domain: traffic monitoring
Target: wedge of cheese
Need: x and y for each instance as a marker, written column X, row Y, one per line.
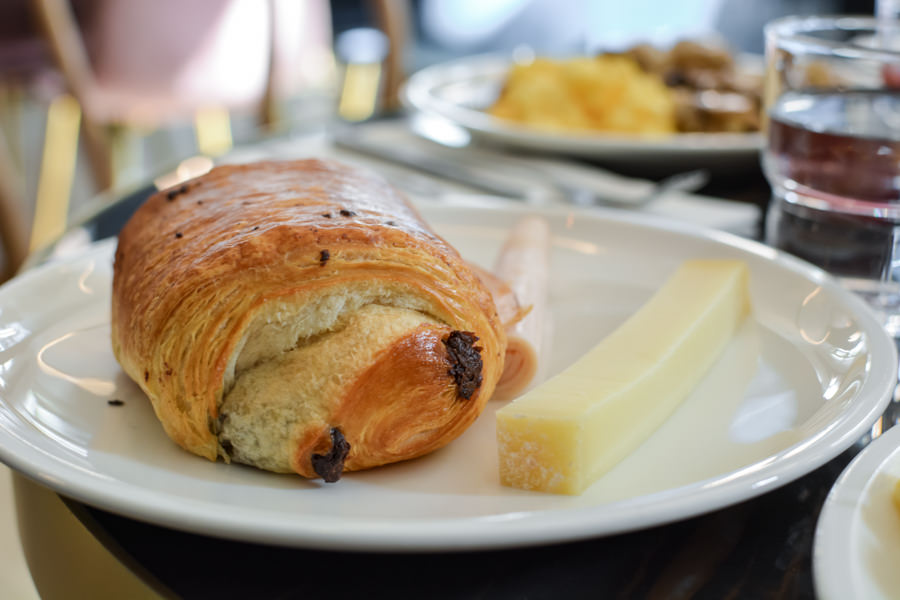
column 564, row 434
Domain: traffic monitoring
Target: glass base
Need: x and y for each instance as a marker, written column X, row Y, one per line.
column 863, row 252
column 882, row 297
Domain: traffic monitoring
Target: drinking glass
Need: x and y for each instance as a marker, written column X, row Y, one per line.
column 832, row 154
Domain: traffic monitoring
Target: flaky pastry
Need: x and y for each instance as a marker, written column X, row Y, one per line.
column 301, row 317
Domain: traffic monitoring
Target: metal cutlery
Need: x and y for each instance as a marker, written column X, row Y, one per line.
column 345, row 138
column 687, row 181
column 476, row 173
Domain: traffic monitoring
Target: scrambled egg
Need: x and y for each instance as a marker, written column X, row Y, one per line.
column 604, row 93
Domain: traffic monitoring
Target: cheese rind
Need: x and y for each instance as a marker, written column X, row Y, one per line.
column 563, row 435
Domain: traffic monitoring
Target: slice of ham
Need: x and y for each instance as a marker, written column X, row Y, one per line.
column 519, row 288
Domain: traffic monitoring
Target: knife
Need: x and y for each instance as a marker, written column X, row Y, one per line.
column 346, row 138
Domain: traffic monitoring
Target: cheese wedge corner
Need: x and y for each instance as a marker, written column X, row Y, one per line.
column 564, row 434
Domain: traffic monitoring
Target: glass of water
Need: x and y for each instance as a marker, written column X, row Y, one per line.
column 832, row 154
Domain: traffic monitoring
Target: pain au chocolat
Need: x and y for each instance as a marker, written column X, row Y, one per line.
column 301, row 317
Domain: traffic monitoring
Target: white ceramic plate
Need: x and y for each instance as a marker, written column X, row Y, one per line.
column 801, row 382
column 858, row 534
column 461, row 90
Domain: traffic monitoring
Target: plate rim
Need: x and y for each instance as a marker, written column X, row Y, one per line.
column 455, row 533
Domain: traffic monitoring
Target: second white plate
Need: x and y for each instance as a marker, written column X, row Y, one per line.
column 858, row 534
column 461, row 90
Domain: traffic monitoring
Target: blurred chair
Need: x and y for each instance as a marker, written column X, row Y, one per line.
column 394, row 18
column 133, row 67
column 137, row 65
column 13, row 222
column 26, row 72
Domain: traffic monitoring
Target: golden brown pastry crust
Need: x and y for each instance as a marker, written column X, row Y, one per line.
column 201, row 269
